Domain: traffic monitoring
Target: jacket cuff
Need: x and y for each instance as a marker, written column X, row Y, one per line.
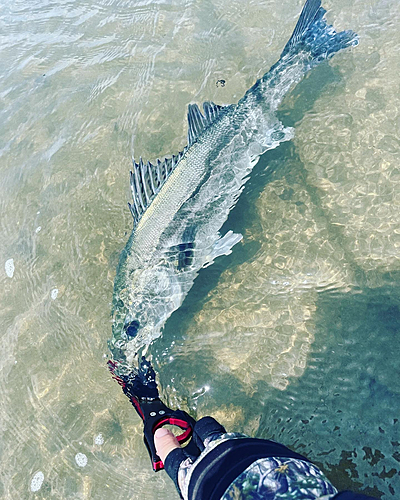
column 172, row 463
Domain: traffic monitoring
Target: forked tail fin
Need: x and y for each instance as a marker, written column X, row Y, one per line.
column 314, row 35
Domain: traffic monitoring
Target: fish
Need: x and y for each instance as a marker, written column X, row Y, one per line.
column 179, row 204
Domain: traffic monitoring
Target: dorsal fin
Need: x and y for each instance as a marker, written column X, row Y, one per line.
column 147, row 179
column 197, row 122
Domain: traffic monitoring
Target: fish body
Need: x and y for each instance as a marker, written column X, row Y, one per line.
column 180, row 205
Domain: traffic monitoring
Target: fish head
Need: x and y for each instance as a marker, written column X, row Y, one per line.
column 130, row 334
column 141, row 307
column 128, row 331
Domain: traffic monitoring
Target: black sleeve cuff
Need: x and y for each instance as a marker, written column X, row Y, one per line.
column 172, row 463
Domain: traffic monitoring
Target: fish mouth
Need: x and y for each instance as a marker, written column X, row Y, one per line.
column 139, row 383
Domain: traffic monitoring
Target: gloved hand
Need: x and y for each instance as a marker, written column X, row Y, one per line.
column 177, row 462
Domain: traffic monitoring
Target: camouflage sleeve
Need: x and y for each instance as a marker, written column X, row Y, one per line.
column 280, row 479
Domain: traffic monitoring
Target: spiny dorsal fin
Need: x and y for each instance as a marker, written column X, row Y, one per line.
column 146, row 181
column 197, row 122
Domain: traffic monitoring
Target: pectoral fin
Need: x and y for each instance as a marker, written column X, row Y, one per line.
column 223, row 246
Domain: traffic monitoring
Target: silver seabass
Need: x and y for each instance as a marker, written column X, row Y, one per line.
column 180, row 204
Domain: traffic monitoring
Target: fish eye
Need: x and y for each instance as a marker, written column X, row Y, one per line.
column 132, row 328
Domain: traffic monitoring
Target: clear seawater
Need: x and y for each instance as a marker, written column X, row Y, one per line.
column 295, row 336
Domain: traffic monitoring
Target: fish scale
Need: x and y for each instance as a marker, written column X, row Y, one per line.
column 179, row 186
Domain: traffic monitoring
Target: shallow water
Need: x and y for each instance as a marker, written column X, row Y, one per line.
column 294, row 336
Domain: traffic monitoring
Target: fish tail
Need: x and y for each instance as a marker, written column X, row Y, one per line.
column 315, row 36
